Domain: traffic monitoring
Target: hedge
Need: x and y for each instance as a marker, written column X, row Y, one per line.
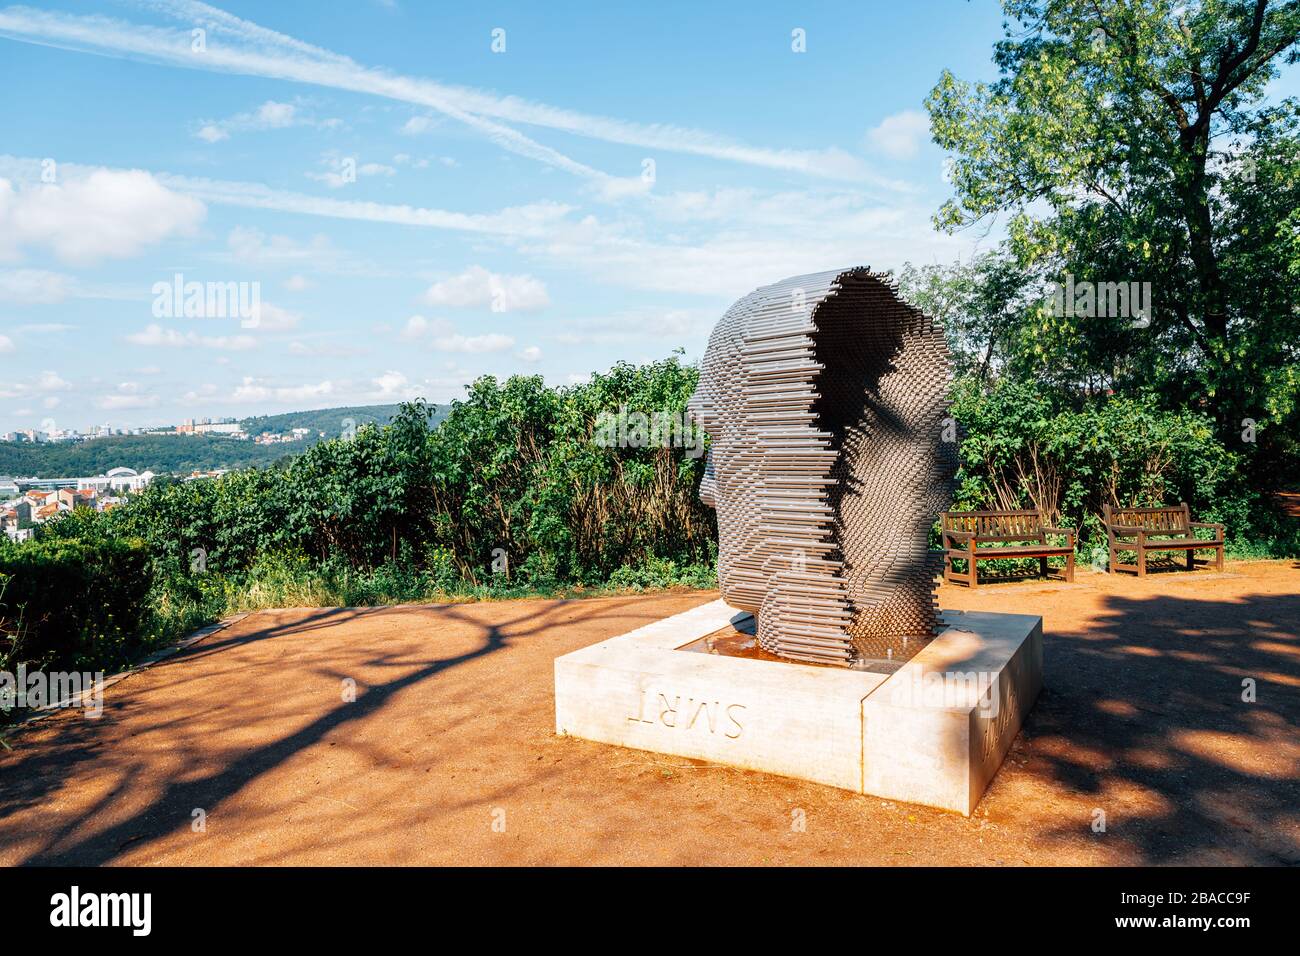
column 72, row 604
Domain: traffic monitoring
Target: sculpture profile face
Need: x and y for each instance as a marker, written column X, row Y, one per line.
column 824, row 397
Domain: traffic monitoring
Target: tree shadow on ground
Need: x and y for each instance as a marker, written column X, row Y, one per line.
column 1145, row 714
column 1142, row 716
column 32, row 778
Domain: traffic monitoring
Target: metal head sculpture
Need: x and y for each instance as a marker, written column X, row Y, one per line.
column 824, row 396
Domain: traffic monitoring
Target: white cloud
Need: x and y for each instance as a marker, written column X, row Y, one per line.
column 422, row 162
column 491, row 342
column 107, row 214
column 476, row 287
column 249, row 49
column 35, row 286
column 118, row 402
column 319, row 350
column 270, row 115
column 393, row 385
column 297, row 283
column 6, row 344
column 155, row 335
column 416, row 125
column 252, row 245
column 442, row 336
column 779, row 238
column 272, row 318
column 127, row 395
column 254, row 390
column 204, row 391
column 341, row 170
column 636, row 325
column 531, row 354
column 44, row 383
column 899, row 136
column 212, row 133
column 533, row 219
column 418, row 327
column 274, row 115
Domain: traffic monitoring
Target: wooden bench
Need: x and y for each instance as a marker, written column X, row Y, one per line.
column 1142, row 530
column 965, row 532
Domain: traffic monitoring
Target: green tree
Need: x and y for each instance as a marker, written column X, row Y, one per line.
column 1131, row 140
column 981, row 303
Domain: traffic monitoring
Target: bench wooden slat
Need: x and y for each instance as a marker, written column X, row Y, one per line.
column 1143, row 530
column 1023, row 534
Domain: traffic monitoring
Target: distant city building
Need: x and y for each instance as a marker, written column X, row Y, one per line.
column 116, row 479
column 16, row 520
column 72, row 498
column 228, row 427
column 39, row 499
column 280, row 438
column 45, row 484
column 214, row 473
column 46, row 498
column 218, row 428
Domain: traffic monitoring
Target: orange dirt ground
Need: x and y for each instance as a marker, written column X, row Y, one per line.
column 1141, row 717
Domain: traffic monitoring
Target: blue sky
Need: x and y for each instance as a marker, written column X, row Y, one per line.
column 601, row 190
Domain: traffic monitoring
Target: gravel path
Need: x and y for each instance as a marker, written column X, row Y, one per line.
column 447, row 754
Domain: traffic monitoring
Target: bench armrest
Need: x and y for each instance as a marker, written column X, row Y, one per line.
column 1214, row 525
column 1126, row 528
column 964, row 536
column 1070, row 533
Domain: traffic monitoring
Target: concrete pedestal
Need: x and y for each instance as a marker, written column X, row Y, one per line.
column 934, row 731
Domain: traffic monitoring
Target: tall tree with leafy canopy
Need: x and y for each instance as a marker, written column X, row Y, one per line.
column 1131, row 140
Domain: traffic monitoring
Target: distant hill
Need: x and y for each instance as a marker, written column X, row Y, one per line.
column 182, row 454
column 329, row 420
column 163, row 454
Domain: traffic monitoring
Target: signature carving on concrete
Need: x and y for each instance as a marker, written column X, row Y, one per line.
column 998, row 726
column 671, row 713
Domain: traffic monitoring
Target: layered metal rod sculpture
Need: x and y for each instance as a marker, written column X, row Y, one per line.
column 824, row 396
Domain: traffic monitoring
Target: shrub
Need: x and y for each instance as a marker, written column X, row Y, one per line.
column 73, row 604
column 1022, row 449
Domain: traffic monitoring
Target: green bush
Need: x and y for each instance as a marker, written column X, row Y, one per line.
column 658, row 573
column 513, row 496
column 73, row 604
column 514, row 470
column 1021, row 448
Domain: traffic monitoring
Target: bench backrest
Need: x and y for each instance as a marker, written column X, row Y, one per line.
column 1166, row 520
column 996, row 525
